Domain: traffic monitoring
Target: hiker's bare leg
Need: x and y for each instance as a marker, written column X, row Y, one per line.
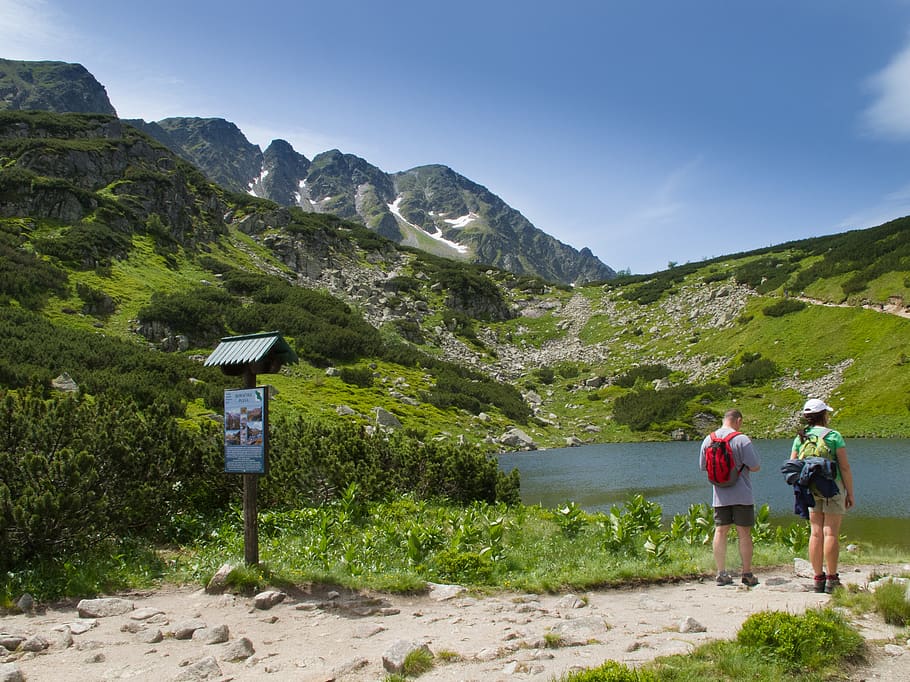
column 720, row 547
column 832, row 542
column 817, row 541
column 745, row 547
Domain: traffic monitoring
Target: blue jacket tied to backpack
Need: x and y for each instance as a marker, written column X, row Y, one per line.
column 807, row 476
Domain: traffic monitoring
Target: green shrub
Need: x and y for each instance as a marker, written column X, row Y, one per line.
column 33, row 351
column 716, row 277
column 409, row 330
column 568, row 370
column 640, row 410
column 23, row 276
column 357, row 376
column 472, row 293
column 783, row 307
column 764, row 274
column 74, row 471
column 610, row 671
column 400, row 284
column 811, row 641
column 865, row 254
column 95, row 302
column 754, row 370
column 312, row 462
column 85, row 245
column 198, row 313
column 643, row 372
column 645, row 289
column 475, row 393
column 462, row 567
column 546, row 375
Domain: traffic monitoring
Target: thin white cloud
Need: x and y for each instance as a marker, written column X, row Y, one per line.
column 665, row 203
column 32, row 30
column 889, row 114
column 893, row 205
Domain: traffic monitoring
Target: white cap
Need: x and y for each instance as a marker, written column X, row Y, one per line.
column 814, row 405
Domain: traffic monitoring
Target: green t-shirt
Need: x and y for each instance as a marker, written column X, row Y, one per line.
column 832, row 439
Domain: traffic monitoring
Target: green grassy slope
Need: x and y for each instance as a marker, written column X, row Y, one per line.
column 565, row 350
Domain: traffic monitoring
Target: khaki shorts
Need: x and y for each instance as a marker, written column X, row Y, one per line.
column 829, row 505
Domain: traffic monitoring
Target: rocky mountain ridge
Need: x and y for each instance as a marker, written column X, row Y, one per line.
column 428, row 207
column 51, row 86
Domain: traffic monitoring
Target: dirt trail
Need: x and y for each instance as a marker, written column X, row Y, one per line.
column 322, row 635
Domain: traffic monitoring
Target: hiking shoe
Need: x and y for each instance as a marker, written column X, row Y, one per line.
column 833, row 583
column 820, row 582
column 749, row 580
column 724, row 578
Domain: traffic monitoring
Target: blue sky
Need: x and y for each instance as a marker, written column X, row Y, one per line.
column 648, row 131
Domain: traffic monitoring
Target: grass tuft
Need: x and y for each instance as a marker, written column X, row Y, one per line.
column 417, row 662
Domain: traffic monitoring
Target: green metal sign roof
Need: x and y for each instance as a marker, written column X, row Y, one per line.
column 251, row 348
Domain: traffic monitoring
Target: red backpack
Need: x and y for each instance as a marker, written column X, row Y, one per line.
column 719, row 461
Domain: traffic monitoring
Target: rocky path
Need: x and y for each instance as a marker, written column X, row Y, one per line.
column 322, row 635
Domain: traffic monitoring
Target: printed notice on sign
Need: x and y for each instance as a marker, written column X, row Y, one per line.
column 245, row 412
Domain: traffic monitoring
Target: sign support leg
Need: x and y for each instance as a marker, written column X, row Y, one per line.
column 250, row 493
column 250, row 519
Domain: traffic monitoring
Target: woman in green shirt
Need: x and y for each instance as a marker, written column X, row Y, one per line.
column 826, row 516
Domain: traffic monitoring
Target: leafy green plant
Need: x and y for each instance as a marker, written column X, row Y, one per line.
column 494, row 536
column 617, row 532
column 570, row 518
column 624, row 526
column 763, row 531
column 795, row 536
column 656, row 545
column 462, row 566
column 815, row 639
column 644, row 515
column 610, row 671
column 695, row 526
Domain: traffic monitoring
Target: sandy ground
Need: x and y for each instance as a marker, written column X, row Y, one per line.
column 320, row 634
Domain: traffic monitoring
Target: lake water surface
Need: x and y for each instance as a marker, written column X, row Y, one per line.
column 596, row 477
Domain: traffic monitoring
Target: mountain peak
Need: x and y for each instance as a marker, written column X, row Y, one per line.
column 60, row 87
column 430, row 207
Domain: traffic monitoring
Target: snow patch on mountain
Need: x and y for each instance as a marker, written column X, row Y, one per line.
column 395, row 208
column 463, row 221
column 257, row 182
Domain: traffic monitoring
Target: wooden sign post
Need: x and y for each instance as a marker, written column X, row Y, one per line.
column 246, row 418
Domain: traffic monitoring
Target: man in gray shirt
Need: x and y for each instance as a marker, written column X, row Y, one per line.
column 734, row 504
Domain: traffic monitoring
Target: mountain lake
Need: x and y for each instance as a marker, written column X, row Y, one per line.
column 597, row 477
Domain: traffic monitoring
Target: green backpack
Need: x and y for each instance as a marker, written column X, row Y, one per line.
column 814, row 445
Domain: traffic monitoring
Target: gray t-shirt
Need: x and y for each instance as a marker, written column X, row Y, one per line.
column 743, row 453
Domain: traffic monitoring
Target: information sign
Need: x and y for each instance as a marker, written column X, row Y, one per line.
column 245, row 429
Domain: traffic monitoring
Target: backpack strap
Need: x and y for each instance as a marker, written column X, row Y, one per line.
column 730, row 436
